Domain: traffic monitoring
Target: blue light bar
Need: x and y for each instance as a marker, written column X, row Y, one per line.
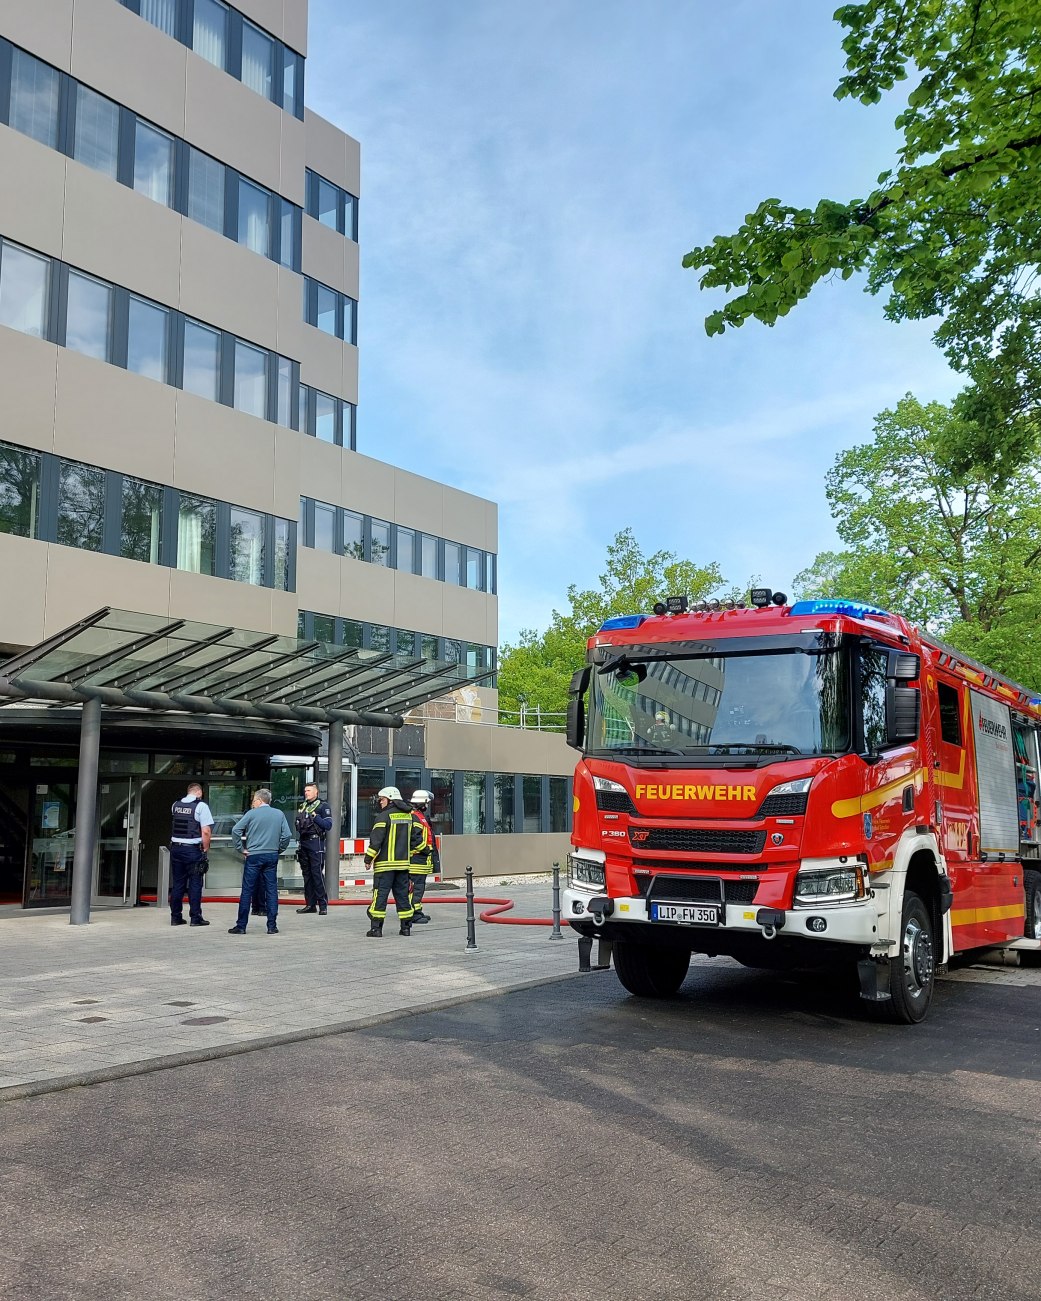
column 622, row 621
column 835, row 606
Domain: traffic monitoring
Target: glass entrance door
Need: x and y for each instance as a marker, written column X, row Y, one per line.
column 114, row 869
column 52, row 832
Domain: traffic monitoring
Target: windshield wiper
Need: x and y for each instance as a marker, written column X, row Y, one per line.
column 639, row 749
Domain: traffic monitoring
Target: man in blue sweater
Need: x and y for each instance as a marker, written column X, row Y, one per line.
column 263, row 833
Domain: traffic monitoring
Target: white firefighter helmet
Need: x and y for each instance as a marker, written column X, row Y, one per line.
column 389, row 793
column 422, row 797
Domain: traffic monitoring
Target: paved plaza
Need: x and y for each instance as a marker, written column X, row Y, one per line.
column 99, row 1001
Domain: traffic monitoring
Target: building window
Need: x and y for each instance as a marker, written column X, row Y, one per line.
column 379, row 638
column 370, row 780
column 81, row 506
column 427, row 555
column 254, row 218
column 258, row 55
column 327, row 207
column 153, row 163
column 288, row 225
column 201, row 360
column 353, row 633
column 406, row 551
column 442, row 811
column 88, row 316
column 34, row 98
column 950, row 715
column 247, row 547
column 24, row 281
column 503, row 808
column 453, row 553
column 292, row 80
column 325, row 311
column 325, row 417
column 161, row 14
column 96, row 142
column 141, row 524
column 406, row 643
column 350, row 224
column 206, row 190
column 285, row 390
column 147, row 330
column 250, row 380
column 558, row 809
column 453, row 653
column 531, row 794
column 332, row 206
column 19, row 492
column 282, row 576
column 196, row 534
column 473, row 804
column 324, row 527
column 380, row 542
column 210, row 32
column 353, row 535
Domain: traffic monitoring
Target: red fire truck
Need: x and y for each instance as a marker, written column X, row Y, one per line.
column 818, row 785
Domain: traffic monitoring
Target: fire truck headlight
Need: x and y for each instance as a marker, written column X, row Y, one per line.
column 830, row 885
column 606, row 784
column 798, row 787
column 585, row 874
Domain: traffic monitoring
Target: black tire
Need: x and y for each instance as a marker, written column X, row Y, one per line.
column 913, row 972
column 649, row 971
column 1032, row 912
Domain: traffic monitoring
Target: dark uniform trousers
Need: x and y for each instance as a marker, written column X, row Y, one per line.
column 387, row 881
column 312, row 864
column 185, row 878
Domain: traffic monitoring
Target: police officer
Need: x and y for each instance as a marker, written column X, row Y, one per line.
column 313, row 820
column 189, row 845
column 395, row 839
column 427, row 859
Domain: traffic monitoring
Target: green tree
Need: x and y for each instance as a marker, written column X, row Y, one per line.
column 538, row 668
column 958, row 552
column 952, row 230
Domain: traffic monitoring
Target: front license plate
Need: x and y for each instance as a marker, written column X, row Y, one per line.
column 687, row 914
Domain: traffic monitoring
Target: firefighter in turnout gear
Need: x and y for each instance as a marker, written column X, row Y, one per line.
column 396, row 836
column 313, row 820
column 427, row 859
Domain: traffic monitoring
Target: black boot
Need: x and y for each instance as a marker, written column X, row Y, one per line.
column 308, row 908
column 406, row 928
column 375, row 931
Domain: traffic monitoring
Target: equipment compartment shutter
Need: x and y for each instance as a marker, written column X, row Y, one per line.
column 995, row 775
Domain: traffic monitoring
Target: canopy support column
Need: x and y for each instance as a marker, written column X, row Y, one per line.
column 86, row 810
column 334, row 795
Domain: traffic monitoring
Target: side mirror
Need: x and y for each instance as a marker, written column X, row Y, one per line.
column 902, row 666
column 576, row 709
column 903, row 713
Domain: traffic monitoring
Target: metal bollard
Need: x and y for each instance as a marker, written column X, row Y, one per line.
column 471, row 925
column 162, row 889
column 555, row 932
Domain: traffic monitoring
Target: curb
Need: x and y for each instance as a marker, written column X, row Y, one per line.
column 149, row 1065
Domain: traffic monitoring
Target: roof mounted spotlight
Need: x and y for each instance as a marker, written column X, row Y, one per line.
column 658, row 607
column 715, row 605
column 760, row 597
column 676, row 604
column 779, row 598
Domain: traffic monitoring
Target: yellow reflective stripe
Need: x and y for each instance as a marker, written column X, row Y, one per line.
column 874, row 799
column 967, row 916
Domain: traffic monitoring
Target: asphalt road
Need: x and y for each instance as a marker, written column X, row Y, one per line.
column 749, row 1139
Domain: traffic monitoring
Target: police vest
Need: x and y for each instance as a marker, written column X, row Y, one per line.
column 184, row 826
column 308, row 811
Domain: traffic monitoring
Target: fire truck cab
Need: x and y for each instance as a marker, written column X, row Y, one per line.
column 810, row 785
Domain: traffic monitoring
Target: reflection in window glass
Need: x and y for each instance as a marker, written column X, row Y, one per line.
column 81, row 506
column 352, row 633
column 24, row 280
column 258, row 53
column 250, row 380
column 254, row 218
column 19, row 492
column 280, row 578
column 153, row 163
column 380, row 542
column 287, row 233
column 493, row 585
column 141, row 520
column 201, row 360
column 97, row 131
column 161, row 14
column 379, row 637
column 325, row 417
column 306, row 419
column 475, row 569
column 406, row 550
column 88, row 317
column 328, row 203
column 324, row 628
column 350, row 321
column 326, row 312
column 558, row 809
column 370, row 780
column 431, row 648
column 353, row 535
column 428, row 556
column 453, row 555
column 34, row 98
column 324, row 526
column 206, row 190
column 503, row 811
column 873, row 664
column 350, row 225
column 406, row 642
column 474, row 659
column 285, row 390
column 247, row 546
column 441, row 814
column 146, row 339
column 210, row 35
column 473, row 804
column 531, row 793
column 196, row 534
column 290, row 79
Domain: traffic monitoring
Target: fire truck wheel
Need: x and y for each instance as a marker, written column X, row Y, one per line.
column 649, row 971
column 913, row 971
column 1032, row 886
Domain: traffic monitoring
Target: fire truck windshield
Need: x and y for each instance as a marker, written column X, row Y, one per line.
column 703, row 701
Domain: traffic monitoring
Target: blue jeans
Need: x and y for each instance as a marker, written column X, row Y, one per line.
column 265, row 867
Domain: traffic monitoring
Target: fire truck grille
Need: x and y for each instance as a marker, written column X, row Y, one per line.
column 701, row 889
column 615, row 802
column 782, row 806
column 697, row 840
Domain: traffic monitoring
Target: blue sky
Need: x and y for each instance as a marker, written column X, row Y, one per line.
column 531, row 178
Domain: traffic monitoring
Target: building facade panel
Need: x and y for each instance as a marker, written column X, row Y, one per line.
column 24, row 562
column 231, row 122
column 294, row 24
column 31, row 214
column 225, row 454
column 325, row 257
column 43, row 29
column 366, row 484
column 294, row 156
column 268, row 14
column 28, row 382
column 322, row 362
column 215, row 600
column 327, row 151
column 80, row 582
column 419, row 502
column 230, row 286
